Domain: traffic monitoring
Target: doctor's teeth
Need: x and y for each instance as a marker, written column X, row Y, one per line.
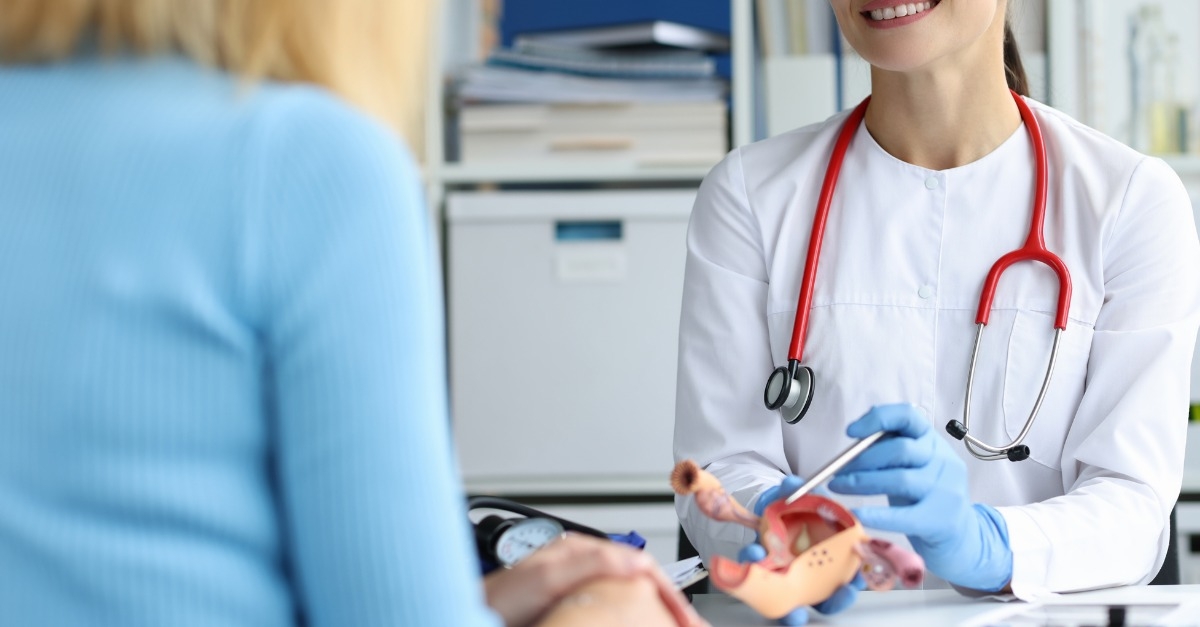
column 900, row 10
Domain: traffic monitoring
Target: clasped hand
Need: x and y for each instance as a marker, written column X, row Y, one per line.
column 584, row 580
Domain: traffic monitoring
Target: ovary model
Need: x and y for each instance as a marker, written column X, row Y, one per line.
column 813, row 545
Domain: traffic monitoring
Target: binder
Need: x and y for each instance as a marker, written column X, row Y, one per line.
column 633, row 36
column 529, row 16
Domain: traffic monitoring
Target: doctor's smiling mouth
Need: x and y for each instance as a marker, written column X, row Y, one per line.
column 892, row 14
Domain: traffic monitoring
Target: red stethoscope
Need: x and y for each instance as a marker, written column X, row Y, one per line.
column 790, row 388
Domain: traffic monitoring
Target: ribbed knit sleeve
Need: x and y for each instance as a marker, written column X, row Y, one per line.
column 342, row 278
column 222, row 379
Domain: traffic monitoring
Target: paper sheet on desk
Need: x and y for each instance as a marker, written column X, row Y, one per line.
column 1140, row 605
column 686, row 572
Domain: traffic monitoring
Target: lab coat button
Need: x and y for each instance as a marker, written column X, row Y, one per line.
column 931, row 183
column 926, row 291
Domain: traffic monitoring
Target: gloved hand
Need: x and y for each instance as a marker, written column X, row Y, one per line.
column 965, row 543
column 841, row 599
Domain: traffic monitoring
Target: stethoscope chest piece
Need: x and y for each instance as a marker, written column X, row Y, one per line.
column 790, row 390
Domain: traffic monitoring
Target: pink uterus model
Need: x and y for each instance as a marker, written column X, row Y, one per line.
column 813, row 547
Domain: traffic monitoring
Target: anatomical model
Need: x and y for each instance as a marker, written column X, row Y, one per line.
column 813, row 547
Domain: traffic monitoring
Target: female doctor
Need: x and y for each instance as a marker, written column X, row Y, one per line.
column 938, row 181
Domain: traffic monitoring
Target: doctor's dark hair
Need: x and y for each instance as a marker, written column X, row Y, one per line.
column 1014, row 70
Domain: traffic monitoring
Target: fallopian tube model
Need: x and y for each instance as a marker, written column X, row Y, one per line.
column 814, row 546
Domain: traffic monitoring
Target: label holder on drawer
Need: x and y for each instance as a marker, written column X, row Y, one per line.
column 590, row 251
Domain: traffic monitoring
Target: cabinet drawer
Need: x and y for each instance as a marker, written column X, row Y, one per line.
column 563, row 324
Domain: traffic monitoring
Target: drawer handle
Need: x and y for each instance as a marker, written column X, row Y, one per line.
column 587, row 230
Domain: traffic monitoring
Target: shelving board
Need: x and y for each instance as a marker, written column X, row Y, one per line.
column 465, row 174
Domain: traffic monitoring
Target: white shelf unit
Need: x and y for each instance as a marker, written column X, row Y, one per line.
column 469, row 174
column 514, row 248
column 1091, row 76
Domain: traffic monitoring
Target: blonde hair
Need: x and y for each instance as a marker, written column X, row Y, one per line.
column 373, row 53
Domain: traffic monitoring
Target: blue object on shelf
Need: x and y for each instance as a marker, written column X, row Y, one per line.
column 528, row 16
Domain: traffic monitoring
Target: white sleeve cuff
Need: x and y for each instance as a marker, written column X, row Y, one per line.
column 1031, row 553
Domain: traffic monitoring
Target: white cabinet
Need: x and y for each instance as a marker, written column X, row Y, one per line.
column 563, row 322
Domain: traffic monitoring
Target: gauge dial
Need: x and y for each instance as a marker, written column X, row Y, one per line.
column 524, row 537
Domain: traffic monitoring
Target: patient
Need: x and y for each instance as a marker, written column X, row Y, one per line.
column 222, row 391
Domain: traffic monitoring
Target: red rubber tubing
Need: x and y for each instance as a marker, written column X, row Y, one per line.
column 1035, row 244
column 796, row 351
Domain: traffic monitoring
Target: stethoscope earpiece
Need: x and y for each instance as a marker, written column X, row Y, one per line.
column 1018, row 453
column 1015, row 453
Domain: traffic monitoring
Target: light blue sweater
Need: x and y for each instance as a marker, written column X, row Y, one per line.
column 222, row 391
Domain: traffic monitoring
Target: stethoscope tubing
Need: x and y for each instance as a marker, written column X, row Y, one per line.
column 817, row 235
column 1033, row 249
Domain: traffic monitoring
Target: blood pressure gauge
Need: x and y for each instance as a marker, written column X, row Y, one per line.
column 510, row 540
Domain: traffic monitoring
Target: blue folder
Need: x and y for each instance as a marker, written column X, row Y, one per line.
column 529, row 16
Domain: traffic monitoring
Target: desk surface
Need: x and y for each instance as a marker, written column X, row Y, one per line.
column 902, row 608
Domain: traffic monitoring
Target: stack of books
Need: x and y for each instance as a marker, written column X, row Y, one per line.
column 645, row 94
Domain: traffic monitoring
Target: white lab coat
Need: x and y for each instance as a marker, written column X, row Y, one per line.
column 893, row 320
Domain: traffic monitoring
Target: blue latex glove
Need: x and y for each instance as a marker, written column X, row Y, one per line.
column 926, row 484
column 841, row 599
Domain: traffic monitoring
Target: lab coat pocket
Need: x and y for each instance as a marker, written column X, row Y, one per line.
column 1028, row 356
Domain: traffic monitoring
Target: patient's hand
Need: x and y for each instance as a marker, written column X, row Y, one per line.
column 581, row 580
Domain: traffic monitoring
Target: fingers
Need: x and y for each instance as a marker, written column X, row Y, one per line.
column 901, row 519
column 753, row 552
column 796, row 618
column 613, row 601
column 565, row 564
column 537, row 583
column 841, row 599
column 576, row 559
column 681, row 610
column 906, row 485
column 774, row 493
column 902, row 419
column 789, row 484
column 917, row 520
column 893, row 453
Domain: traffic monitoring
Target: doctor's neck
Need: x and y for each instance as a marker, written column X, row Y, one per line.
column 950, row 113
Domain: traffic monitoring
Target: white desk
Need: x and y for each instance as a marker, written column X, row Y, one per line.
column 925, row 608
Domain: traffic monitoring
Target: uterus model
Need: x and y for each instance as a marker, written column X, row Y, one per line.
column 813, row 547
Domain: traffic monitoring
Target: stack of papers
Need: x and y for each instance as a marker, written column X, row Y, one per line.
column 636, row 35
column 651, row 134
column 686, row 572
column 504, row 84
column 643, row 94
column 589, row 62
